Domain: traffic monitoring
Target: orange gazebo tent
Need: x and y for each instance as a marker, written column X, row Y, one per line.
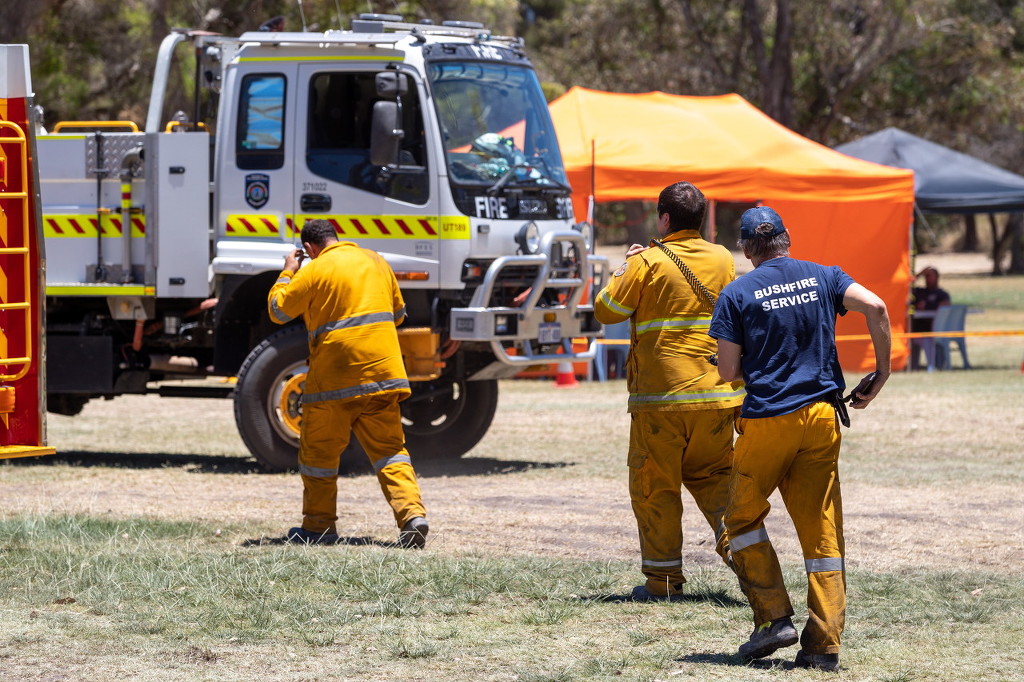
column 840, row 210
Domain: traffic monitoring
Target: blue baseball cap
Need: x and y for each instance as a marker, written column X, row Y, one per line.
column 753, row 219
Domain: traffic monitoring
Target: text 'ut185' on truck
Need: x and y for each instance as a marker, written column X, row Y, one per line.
column 430, row 144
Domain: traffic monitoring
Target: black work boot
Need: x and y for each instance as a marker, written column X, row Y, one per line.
column 414, row 533
column 768, row 637
column 829, row 662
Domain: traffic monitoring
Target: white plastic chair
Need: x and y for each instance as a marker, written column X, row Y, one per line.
column 949, row 318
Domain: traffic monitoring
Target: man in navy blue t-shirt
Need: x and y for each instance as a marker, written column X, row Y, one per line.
column 776, row 329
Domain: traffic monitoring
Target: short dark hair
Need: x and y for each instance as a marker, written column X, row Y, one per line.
column 685, row 205
column 319, row 232
column 767, row 247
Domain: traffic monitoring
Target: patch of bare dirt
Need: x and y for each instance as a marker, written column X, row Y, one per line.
column 548, row 513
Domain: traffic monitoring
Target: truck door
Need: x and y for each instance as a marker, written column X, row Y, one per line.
column 255, row 185
column 393, row 212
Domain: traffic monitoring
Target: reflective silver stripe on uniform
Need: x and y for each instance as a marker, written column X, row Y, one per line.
column 393, row 459
column 283, row 280
column 684, row 397
column 832, row 563
column 279, row 314
column 317, row 472
column 355, row 321
column 747, row 539
column 615, row 305
column 701, row 322
column 662, row 564
column 400, row 313
column 720, row 531
column 355, row 391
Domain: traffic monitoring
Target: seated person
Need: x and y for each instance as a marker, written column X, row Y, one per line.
column 928, row 297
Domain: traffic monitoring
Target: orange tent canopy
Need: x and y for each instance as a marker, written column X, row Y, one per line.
column 839, row 210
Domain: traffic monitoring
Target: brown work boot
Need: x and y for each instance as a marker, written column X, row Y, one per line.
column 768, row 637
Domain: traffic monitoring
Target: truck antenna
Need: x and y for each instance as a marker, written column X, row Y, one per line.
column 302, row 15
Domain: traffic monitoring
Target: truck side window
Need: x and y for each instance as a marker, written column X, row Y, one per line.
column 338, row 136
column 260, row 139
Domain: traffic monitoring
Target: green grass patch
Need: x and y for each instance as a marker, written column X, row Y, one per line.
column 168, row 601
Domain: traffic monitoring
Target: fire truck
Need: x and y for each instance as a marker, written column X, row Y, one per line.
column 428, row 143
column 22, row 369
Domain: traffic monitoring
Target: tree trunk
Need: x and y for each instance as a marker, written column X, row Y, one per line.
column 637, row 231
column 1015, row 226
column 1001, row 242
column 970, row 242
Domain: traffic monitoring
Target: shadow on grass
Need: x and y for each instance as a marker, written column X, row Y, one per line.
column 350, row 541
column 715, row 597
column 232, row 464
column 736, row 660
column 223, row 464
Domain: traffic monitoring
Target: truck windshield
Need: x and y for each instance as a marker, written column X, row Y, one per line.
column 496, row 127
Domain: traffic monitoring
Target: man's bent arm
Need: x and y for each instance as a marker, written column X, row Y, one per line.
column 729, row 360
column 861, row 300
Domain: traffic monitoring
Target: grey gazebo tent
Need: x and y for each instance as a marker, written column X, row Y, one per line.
column 945, row 181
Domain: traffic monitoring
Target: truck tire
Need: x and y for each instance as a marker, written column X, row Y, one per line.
column 446, row 418
column 267, row 398
column 443, row 419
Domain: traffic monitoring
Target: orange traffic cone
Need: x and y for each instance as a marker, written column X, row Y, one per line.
column 566, row 377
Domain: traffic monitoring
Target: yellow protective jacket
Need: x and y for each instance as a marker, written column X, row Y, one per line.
column 350, row 302
column 668, row 367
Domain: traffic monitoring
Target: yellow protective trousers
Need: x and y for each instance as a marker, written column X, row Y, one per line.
column 377, row 422
column 669, row 450
column 798, row 453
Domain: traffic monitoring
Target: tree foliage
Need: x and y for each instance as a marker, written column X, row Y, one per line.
column 948, row 70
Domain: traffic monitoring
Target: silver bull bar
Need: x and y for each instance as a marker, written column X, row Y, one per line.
column 478, row 322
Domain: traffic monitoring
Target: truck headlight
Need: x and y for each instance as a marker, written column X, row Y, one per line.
column 586, row 230
column 528, row 238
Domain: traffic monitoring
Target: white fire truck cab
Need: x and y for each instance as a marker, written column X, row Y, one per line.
column 430, row 144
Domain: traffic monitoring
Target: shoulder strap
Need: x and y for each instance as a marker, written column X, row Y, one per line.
column 698, row 286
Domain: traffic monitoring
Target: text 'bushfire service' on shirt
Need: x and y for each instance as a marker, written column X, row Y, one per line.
column 796, row 288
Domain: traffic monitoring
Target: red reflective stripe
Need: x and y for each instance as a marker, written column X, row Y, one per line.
column 116, row 222
column 403, row 226
column 246, row 224
column 55, row 226
column 137, row 222
column 337, row 226
column 380, row 225
column 358, row 225
column 270, row 224
column 425, row 224
column 77, row 228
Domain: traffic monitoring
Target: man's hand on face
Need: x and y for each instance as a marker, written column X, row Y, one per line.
column 293, row 260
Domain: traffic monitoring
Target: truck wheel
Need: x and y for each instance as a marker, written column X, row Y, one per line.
column 445, row 418
column 267, row 398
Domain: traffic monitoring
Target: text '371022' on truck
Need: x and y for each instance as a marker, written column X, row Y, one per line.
column 430, row 144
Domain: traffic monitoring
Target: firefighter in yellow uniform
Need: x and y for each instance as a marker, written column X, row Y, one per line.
column 681, row 410
column 350, row 302
column 776, row 328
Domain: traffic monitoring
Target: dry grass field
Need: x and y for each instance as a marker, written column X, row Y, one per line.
column 146, row 548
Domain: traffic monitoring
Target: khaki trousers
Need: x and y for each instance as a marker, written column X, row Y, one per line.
column 377, row 423
column 797, row 453
column 669, row 450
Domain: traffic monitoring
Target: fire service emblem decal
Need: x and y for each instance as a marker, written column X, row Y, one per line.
column 257, row 189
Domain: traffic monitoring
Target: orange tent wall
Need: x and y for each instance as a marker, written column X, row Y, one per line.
column 840, row 210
